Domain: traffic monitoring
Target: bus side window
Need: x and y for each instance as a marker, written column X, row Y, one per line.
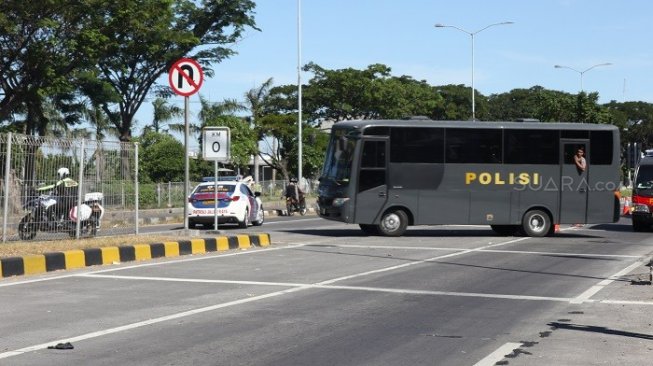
column 372, row 172
column 373, row 154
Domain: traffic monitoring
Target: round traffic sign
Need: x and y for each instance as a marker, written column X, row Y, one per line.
column 186, row 77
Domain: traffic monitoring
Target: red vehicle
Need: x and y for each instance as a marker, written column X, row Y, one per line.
column 643, row 195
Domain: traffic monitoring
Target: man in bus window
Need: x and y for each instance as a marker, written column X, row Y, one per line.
column 581, row 165
column 579, row 160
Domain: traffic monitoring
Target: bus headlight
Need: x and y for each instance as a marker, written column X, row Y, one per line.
column 641, row 208
column 337, row 202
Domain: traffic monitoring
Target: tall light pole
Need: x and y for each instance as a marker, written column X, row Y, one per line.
column 299, row 91
column 472, row 34
column 581, row 72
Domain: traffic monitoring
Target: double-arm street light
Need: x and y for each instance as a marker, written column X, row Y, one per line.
column 581, row 72
column 472, row 34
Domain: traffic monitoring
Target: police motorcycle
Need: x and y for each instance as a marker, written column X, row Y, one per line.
column 46, row 210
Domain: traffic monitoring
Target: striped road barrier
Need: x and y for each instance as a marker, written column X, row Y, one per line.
column 79, row 258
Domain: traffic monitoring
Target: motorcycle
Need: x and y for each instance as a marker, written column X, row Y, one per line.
column 42, row 215
column 293, row 206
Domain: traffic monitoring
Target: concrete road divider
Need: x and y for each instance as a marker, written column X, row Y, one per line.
column 70, row 259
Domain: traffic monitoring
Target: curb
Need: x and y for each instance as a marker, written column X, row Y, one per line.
column 80, row 258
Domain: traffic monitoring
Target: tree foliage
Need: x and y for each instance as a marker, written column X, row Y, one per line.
column 344, row 94
column 148, row 36
column 44, row 46
column 161, row 158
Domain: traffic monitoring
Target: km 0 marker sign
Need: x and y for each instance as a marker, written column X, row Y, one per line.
column 216, row 145
column 186, row 77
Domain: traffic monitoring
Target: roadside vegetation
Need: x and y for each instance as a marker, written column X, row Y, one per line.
column 84, row 70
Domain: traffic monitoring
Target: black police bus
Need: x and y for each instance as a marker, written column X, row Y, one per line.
column 385, row 175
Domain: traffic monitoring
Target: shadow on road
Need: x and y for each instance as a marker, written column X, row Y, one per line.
column 595, row 329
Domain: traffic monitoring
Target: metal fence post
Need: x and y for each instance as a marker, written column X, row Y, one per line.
column 78, row 224
column 158, row 195
column 6, row 203
column 169, row 194
column 136, row 183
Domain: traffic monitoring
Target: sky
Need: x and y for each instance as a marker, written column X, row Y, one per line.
column 338, row 34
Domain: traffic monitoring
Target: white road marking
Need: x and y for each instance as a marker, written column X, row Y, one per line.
column 335, row 287
column 392, row 268
column 585, row 296
column 328, row 284
column 588, row 255
column 498, row 355
column 145, row 323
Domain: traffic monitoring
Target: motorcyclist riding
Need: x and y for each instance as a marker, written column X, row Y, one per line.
column 295, row 193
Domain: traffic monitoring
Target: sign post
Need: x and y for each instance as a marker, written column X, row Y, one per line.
column 185, row 78
column 216, row 147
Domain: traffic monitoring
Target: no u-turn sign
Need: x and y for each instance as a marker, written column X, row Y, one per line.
column 216, row 144
column 185, row 77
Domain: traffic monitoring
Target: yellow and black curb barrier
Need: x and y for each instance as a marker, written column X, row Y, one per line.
column 79, row 258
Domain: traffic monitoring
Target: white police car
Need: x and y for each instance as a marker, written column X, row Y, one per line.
column 236, row 204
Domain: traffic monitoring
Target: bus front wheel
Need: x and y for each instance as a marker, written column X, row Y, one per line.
column 536, row 223
column 393, row 223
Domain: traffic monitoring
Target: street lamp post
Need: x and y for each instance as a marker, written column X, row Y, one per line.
column 299, row 92
column 472, row 34
column 581, row 72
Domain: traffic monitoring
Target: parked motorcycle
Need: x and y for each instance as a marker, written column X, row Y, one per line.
column 42, row 215
column 292, row 206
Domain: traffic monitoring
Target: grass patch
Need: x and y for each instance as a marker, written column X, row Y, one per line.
column 19, row 249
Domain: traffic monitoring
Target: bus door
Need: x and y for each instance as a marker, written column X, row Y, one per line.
column 372, row 188
column 574, row 180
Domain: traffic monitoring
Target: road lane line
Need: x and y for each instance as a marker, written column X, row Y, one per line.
column 588, row 255
column 392, row 268
column 334, row 287
column 131, row 326
column 585, row 296
column 498, row 355
column 299, row 287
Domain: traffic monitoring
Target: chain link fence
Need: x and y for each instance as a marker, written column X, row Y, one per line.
column 46, row 181
column 37, row 202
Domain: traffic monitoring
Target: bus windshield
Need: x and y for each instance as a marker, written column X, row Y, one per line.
column 337, row 164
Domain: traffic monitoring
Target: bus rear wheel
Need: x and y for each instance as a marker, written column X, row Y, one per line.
column 536, row 223
column 393, row 223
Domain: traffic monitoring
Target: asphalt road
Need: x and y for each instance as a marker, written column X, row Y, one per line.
column 325, row 294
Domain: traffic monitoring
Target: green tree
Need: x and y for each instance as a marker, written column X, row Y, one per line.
column 456, row 103
column 281, row 146
column 161, row 158
column 635, row 120
column 163, row 113
column 517, row 103
column 43, row 47
column 588, row 110
column 148, row 36
column 243, row 137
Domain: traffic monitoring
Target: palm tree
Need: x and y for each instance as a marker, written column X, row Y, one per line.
column 163, row 113
column 210, row 111
column 100, row 123
column 255, row 99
